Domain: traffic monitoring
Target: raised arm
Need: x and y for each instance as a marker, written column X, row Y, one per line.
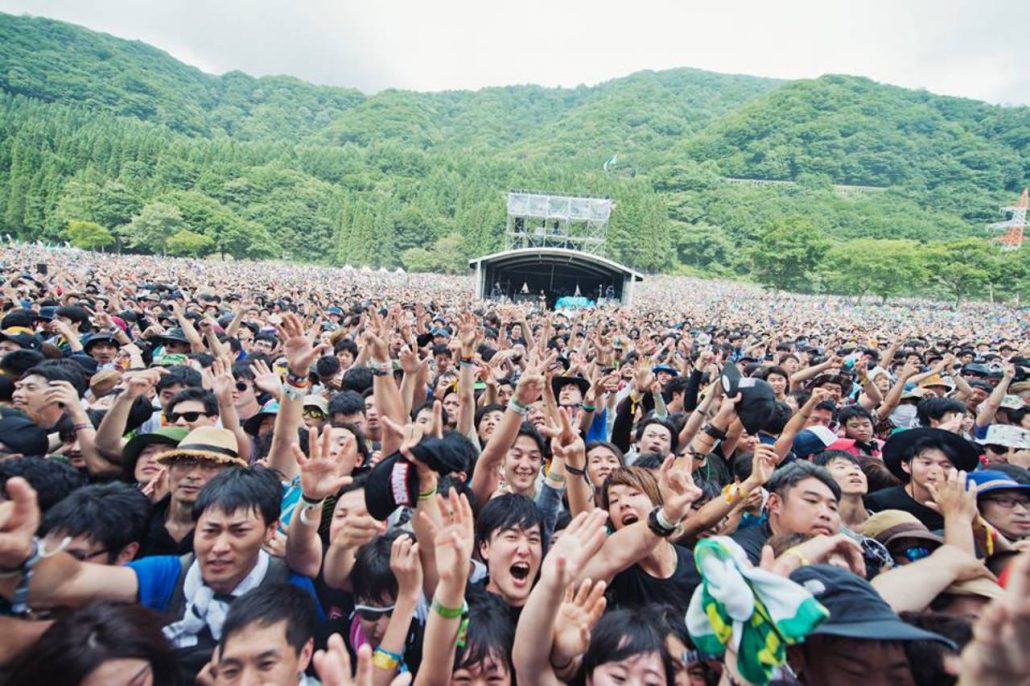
column 990, row 406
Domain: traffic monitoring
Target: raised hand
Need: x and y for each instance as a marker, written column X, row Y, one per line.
column 763, row 464
column 999, row 653
column 19, row 520
column 955, row 497
column 323, row 474
column 406, row 567
column 453, row 538
column 678, row 490
column 300, row 353
column 579, row 613
column 333, row 666
column 579, row 541
column 265, row 379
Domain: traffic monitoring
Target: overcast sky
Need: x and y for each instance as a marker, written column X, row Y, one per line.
column 972, row 48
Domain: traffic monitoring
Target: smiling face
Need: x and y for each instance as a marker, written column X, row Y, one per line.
column 778, row 383
column 808, row 507
column 522, row 465
column 227, row 544
column 512, row 557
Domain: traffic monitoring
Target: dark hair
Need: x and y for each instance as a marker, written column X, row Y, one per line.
column 926, row 658
column 327, row 365
column 77, row 314
column 507, row 511
column 778, row 422
column 677, row 384
column 371, row 576
column 271, row 604
column 179, row 375
column 61, row 370
column 52, row 480
column 851, row 411
column 827, row 456
column 17, row 362
column 485, row 410
column 648, row 421
column 877, row 474
column 346, row 403
column 80, row 642
column 243, row 371
column 828, row 406
column 204, row 396
column 348, row 345
column 113, row 514
column 490, row 632
column 741, row 466
column 357, row 378
column 360, row 441
column 246, row 488
column 428, row 405
column 927, row 443
column 787, row 477
column 610, row 446
column 622, row 634
column 527, row 429
column 935, row 408
column 778, row 371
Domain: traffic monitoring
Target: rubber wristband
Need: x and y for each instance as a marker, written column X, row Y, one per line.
column 518, row 407
column 797, row 553
column 305, row 520
column 427, row 495
column 575, row 471
column 589, row 408
column 82, row 427
column 384, row 660
column 311, row 503
column 449, row 612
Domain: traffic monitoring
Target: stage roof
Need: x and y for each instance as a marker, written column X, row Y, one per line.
column 527, row 257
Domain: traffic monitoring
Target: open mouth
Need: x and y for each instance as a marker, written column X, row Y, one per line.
column 630, row 519
column 520, row 571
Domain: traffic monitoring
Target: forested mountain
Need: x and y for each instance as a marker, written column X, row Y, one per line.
column 110, row 142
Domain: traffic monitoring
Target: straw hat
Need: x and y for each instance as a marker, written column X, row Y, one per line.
column 208, row 443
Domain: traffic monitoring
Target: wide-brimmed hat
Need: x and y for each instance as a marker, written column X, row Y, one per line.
column 169, row 436
column 966, row 455
column 559, row 382
column 253, row 423
column 177, row 335
column 891, row 525
column 856, row 609
column 206, row 443
column 1007, row 435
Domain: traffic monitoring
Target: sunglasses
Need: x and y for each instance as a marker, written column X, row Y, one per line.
column 914, row 553
column 313, row 414
column 372, row 614
column 188, row 416
column 876, row 556
column 241, row 386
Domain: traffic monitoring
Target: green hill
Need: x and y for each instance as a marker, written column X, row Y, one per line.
column 99, row 129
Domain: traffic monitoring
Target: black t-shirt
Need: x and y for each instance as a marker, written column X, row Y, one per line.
column 157, row 540
column 897, row 498
column 634, row 586
column 752, row 540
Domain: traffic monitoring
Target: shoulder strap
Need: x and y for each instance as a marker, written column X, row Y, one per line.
column 177, row 603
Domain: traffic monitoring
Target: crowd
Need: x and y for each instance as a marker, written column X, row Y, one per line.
column 261, row 473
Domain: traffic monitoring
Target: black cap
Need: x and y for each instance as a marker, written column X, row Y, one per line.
column 19, row 317
column 757, row 403
column 394, row 481
column 856, row 609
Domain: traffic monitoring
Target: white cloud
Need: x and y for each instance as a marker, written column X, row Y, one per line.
column 967, row 48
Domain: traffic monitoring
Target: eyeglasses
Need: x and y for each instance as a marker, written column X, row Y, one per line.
column 312, row 413
column 1008, row 502
column 188, row 463
column 85, row 556
column 371, row 613
column 188, row 416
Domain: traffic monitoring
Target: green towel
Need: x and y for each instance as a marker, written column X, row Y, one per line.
column 755, row 612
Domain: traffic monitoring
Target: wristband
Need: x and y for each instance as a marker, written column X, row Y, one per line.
column 384, row 659
column 20, row 597
column 660, row 516
column 517, row 407
column 82, row 427
column 293, row 393
column 657, row 524
column 297, row 379
column 380, row 372
column 716, row 433
column 732, row 492
column 575, row 471
column 589, row 408
column 449, row 612
column 427, row 495
column 308, row 502
column 304, row 518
